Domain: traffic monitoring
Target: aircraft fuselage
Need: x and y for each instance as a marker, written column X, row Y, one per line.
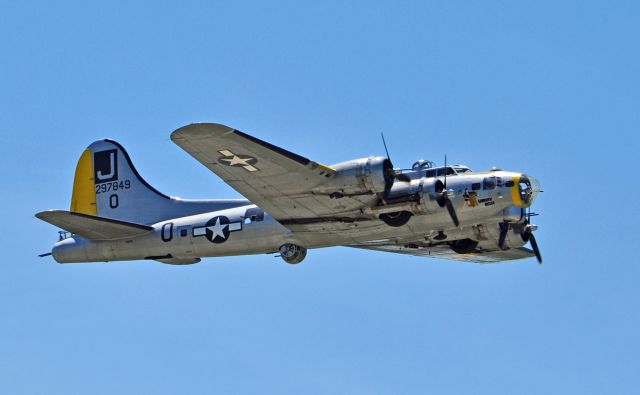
column 480, row 205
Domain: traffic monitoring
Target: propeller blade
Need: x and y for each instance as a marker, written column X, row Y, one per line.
column 504, row 228
column 45, row 254
column 385, row 146
column 525, row 233
column 445, row 172
column 451, row 210
column 534, row 245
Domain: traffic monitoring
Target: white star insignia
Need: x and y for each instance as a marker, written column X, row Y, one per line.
column 217, row 229
column 232, row 159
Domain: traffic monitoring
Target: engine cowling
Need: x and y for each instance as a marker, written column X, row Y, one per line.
column 406, row 198
column 430, row 190
column 370, row 175
column 418, row 196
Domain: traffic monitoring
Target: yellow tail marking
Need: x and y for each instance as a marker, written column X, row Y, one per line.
column 83, row 199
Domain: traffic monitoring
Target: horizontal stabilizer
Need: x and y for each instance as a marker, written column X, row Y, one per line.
column 92, row 227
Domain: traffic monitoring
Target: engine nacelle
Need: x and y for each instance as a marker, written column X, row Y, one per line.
column 430, row 189
column 418, row 196
column 359, row 176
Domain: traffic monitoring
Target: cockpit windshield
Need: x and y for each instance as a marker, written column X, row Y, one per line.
column 428, row 169
column 449, row 170
column 440, row 172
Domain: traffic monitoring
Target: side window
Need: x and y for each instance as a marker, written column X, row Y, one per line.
column 253, row 215
column 476, row 186
column 167, row 232
column 489, row 183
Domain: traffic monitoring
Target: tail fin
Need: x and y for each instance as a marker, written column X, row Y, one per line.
column 107, row 185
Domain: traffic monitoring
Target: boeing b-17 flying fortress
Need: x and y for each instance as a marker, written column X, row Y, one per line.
column 293, row 204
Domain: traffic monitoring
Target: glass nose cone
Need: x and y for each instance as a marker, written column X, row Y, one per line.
column 529, row 187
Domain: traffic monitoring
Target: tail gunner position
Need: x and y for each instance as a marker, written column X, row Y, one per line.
column 294, row 204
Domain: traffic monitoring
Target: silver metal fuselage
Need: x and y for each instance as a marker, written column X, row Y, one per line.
column 247, row 230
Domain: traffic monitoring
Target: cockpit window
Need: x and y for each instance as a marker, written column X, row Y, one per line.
column 448, row 170
column 489, row 183
column 439, row 172
column 253, row 215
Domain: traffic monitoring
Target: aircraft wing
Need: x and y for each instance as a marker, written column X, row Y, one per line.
column 278, row 181
column 92, row 227
column 444, row 252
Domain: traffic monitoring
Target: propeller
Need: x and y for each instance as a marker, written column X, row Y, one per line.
column 443, row 199
column 527, row 235
column 390, row 173
column 534, row 245
column 504, row 228
column 385, row 146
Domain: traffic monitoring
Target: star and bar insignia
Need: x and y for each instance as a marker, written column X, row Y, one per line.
column 217, row 229
column 245, row 161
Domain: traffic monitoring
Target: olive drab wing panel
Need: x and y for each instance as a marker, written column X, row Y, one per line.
column 278, row 181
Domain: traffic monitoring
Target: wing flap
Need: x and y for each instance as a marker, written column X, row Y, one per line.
column 92, row 227
column 444, row 252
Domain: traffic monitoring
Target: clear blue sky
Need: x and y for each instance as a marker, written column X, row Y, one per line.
column 550, row 88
